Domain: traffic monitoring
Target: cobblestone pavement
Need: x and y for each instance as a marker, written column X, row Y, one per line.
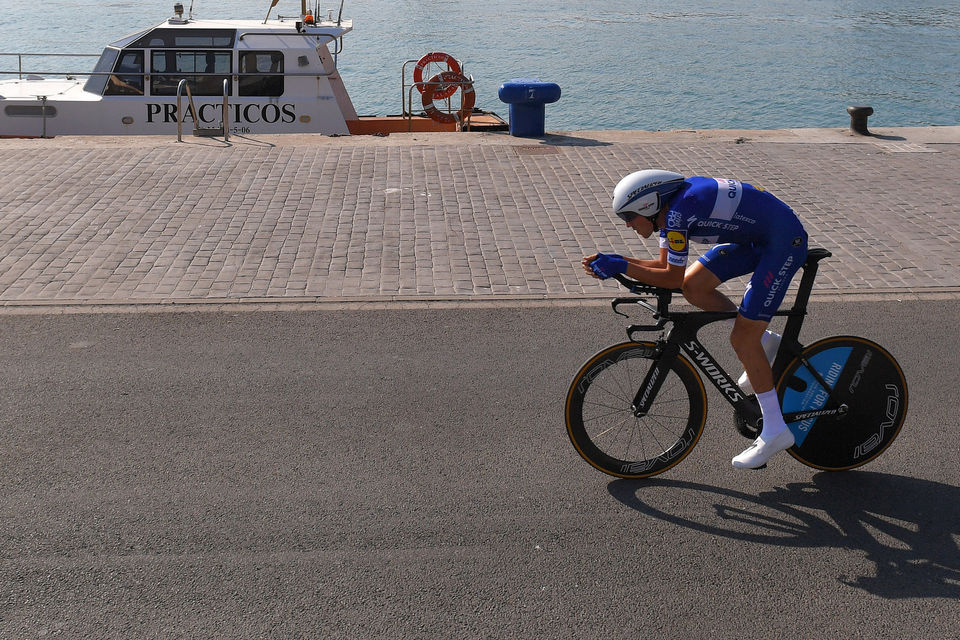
column 439, row 216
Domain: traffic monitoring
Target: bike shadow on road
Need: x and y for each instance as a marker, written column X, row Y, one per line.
column 907, row 527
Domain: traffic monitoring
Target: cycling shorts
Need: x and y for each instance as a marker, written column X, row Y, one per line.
column 772, row 263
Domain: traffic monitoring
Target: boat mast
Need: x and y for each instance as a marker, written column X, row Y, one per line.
column 272, row 5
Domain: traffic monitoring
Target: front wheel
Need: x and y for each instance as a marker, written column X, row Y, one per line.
column 601, row 421
column 863, row 376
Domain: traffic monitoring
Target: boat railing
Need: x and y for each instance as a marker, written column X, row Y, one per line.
column 183, row 85
column 225, row 122
column 142, row 74
column 337, row 49
column 20, row 56
column 462, row 124
column 222, row 130
column 404, row 94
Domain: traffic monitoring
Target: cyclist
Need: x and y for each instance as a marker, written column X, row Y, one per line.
column 752, row 232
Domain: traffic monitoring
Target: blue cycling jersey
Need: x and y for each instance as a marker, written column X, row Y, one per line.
column 719, row 210
column 753, row 232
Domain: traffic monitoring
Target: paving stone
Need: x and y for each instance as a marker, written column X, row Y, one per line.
column 348, row 218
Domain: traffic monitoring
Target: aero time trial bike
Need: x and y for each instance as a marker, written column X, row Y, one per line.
column 637, row 408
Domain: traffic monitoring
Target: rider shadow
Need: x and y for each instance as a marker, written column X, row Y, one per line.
column 906, row 527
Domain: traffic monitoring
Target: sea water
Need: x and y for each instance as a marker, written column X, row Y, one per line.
column 654, row 65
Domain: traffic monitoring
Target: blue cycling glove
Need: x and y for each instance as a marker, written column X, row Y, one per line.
column 608, row 265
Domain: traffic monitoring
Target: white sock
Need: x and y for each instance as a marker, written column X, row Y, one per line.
column 773, row 424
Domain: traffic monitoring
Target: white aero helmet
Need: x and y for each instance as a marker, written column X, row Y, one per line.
column 642, row 193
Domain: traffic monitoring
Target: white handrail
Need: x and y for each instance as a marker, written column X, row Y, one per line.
column 225, row 121
column 180, row 87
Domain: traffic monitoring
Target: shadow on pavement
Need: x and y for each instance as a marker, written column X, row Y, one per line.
column 907, row 527
column 573, row 141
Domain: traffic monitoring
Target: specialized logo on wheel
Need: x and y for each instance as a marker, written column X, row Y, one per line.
column 677, row 240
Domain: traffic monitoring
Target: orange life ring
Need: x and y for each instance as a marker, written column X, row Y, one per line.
column 435, row 56
column 444, row 80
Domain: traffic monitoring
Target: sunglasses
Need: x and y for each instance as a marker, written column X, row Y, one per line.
column 628, row 216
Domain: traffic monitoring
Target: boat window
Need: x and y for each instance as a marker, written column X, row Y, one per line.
column 130, row 62
column 96, row 83
column 261, row 73
column 205, row 72
column 186, row 39
column 30, row 111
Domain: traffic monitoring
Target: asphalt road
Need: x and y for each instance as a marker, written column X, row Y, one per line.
column 406, row 474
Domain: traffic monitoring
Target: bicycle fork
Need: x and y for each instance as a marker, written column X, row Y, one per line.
column 650, row 387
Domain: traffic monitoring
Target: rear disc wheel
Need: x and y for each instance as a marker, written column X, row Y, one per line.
column 863, row 376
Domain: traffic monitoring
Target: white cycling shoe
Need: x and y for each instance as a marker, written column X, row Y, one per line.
column 758, row 453
column 770, row 342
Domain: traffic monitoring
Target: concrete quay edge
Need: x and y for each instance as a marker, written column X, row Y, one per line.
column 890, row 136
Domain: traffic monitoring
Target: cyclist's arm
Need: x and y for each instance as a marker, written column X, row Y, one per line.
column 668, row 276
column 656, row 263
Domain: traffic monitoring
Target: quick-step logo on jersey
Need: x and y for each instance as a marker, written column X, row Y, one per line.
column 729, row 193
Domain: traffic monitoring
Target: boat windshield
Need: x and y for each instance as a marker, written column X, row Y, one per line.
column 96, row 83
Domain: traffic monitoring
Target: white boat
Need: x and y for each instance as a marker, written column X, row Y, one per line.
column 214, row 77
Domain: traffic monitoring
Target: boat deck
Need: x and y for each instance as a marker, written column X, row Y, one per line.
column 51, row 87
column 380, row 125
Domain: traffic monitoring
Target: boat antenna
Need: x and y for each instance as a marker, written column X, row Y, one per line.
column 272, row 5
column 190, row 15
column 340, row 15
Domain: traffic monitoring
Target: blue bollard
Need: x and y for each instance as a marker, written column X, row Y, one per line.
column 527, row 97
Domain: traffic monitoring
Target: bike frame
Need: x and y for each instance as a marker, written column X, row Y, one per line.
column 683, row 337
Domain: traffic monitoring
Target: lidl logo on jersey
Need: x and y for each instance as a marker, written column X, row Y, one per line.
column 677, row 240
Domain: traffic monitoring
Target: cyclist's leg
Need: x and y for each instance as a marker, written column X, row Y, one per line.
column 747, row 343
column 721, row 263
column 778, row 263
column 774, row 436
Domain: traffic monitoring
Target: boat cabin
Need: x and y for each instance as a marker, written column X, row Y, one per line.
column 274, row 77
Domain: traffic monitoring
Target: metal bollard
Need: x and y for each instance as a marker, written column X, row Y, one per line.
column 527, row 97
column 858, row 119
